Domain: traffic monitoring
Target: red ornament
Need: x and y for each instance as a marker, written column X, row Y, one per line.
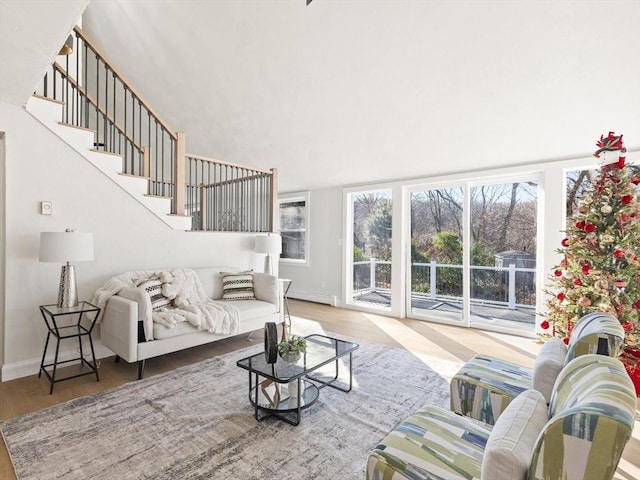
column 544, row 325
column 561, row 296
column 627, row 326
column 627, row 199
column 637, row 304
column 581, row 224
column 558, row 273
column 577, row 282
column 618, row 253
column 566, row 340
column 565, row 242
column 585, row 269
column 589, row 227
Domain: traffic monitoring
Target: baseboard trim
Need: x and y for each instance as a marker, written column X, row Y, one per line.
column 314, row 297
column 25, row 368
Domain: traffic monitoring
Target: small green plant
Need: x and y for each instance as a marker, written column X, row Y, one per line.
column 294, row 344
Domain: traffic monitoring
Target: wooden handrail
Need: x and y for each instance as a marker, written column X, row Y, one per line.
column 222, row 162
column 124, row 81
column 228, row 182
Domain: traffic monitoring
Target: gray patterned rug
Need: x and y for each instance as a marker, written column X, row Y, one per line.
column 196, row 422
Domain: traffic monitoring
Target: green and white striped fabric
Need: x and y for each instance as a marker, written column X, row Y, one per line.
column 485, row 385
column 431, row 444
column 592, row 413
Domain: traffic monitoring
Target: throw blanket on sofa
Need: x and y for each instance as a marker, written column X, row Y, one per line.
column 183, row 287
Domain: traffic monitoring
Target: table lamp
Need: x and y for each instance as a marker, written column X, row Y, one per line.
column 66, row 246
column 270, row 245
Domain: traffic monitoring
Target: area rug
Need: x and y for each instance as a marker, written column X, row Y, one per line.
column 196, row 422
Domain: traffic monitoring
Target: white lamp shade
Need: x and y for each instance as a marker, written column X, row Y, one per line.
column 66, row 246
column 269, row 244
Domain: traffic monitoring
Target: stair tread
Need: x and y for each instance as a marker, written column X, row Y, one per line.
column 65, row 124
column 52, row 100
column 105, row 152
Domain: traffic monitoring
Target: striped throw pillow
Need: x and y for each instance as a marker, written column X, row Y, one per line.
column 237, row 286
column 153, row 288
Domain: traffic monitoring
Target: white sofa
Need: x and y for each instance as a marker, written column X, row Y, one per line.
column 124, row 331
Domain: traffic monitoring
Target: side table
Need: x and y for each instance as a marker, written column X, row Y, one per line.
column 82, row 319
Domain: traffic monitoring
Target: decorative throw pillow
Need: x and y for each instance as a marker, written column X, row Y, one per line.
column 510, row 446
column 153, row 288
column 237, row 286
column 547, row 366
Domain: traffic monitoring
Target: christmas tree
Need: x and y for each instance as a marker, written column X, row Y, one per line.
column 600, row 267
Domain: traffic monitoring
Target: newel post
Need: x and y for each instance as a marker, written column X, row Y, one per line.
column 273, row 199
column 179, row 172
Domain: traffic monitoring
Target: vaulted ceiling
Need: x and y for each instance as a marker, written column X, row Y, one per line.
column 352, row 91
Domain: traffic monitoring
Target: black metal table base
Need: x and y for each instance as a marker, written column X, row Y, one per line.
column 77, row 331
column 293, row 415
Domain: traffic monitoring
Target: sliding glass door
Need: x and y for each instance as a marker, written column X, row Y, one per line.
column 369, row 264
column 503, row 237
column 436, row 265
column 473, row 254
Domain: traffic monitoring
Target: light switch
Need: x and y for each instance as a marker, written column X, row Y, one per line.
column 46, row 208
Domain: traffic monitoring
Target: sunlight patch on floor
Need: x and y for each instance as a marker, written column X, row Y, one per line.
column 409, row 338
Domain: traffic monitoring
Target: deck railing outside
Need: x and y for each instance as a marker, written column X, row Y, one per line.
column 98, row 97
column 510, row 286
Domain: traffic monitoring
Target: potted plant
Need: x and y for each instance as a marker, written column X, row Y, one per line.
column 291, row 349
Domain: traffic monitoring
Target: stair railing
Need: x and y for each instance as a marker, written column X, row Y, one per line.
column 222, row 196
column 96, row 96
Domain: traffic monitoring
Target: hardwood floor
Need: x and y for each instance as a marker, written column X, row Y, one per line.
column 29, row 394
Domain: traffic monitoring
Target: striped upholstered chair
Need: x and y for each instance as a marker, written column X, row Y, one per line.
column 579, row 436
column 485, row 385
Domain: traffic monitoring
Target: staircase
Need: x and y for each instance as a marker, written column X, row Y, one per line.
column 91, row 106
column 48, row 112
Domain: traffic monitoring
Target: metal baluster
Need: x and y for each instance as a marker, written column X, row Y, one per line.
column 106, row 103
column 97, row 129
column 65, row 95
column 77, row 75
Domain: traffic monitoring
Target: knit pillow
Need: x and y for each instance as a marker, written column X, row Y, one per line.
column 510, row 446
column 237, row 286
column 153, row 288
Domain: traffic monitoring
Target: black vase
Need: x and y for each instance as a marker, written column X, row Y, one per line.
column 270, row 342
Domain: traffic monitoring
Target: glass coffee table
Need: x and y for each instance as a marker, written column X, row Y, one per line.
column 283, row 389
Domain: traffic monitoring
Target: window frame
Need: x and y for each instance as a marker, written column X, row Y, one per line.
column 289, row 198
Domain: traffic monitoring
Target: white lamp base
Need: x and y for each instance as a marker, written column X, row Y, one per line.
column 68, row 291
column 268, row 268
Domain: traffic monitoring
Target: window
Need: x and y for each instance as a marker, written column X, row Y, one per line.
column 294, row 221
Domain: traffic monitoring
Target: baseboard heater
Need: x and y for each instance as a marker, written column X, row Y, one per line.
column 314, row 297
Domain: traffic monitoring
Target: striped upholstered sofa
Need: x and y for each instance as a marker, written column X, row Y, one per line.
column 580, row 435
column 485, row 385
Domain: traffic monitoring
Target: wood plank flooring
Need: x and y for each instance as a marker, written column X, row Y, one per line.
column 28, row 394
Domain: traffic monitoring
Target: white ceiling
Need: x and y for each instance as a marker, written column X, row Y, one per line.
column 345, row 92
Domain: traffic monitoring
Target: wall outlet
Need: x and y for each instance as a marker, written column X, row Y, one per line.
column 46, row 208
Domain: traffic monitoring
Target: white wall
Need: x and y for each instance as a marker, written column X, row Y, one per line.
column 39, row 166
column 320, row 279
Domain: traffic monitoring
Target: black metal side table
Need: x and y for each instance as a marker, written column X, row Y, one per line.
column 80, row 325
